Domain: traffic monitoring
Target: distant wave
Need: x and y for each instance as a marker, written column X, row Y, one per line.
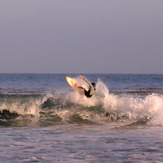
column 11, row 91
column 139, row 91
column 44, row 108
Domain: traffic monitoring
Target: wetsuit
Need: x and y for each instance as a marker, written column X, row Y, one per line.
column 91, row 90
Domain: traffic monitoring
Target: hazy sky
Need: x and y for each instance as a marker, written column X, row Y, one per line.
column 81, row 36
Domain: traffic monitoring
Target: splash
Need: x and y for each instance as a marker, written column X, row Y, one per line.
column 67, row 106
column 21, row 105
column 126, row 108
column 102, row 88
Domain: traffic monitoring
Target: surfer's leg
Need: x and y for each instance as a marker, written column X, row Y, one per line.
column 81, row 88
column 87, row 93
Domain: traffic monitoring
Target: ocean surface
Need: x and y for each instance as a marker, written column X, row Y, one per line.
column 42, row 119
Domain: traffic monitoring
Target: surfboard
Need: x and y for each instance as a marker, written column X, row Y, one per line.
column 75, row 85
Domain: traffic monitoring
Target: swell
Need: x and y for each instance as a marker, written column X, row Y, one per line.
column 66, row 107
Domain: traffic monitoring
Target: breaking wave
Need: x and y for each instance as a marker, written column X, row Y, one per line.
column 42, row 108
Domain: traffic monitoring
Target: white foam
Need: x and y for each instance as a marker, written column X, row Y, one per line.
column 149, row 108
column 30, row 106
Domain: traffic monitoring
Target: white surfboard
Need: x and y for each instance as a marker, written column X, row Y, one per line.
column 74, row 84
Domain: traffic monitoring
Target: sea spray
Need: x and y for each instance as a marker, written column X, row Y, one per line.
column 21, row 104
column 68, row 106
column 102, row 88
column 126, row 108
column 155, row 105
column 148, row 109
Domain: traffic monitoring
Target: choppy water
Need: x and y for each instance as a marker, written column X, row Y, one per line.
column 42, row 119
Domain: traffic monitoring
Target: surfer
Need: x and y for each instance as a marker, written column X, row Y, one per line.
column 92, row 88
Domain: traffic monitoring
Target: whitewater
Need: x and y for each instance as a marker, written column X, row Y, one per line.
column 43, row 119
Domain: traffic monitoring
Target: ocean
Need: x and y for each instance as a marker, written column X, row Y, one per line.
column 42, row 119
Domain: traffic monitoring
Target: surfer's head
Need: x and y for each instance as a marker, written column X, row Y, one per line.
column 94, row 85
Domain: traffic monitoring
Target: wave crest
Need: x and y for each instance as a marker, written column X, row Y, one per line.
column 64, row 107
